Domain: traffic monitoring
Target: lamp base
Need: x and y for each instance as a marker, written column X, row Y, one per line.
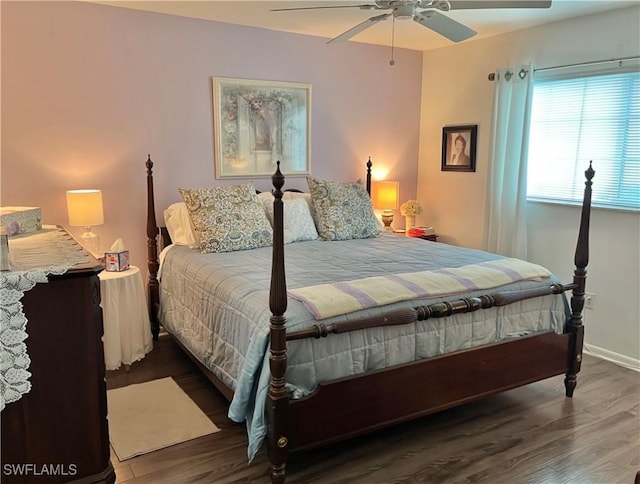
column 91, row 242
column 387, row 219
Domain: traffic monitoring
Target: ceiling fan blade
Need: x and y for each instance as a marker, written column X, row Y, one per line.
column 480, row 4
column 360, row 27
column 445, row 26
column 363, row 7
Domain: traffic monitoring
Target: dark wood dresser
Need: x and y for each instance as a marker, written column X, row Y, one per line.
column 58, row 431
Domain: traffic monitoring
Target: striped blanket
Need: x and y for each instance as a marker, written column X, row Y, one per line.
column 327, row 300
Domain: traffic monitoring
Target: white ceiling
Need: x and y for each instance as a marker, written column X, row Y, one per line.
column 329, row 23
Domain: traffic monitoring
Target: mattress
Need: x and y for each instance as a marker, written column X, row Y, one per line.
column 217, row 306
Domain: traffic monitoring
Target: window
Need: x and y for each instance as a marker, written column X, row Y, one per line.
column 578, row 119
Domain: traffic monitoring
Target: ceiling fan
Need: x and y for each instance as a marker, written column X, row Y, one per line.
column 426, row 13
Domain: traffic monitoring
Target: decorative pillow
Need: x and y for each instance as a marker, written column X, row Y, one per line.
column 342, row 210
column 227, row 218
column 298, row 223
column 178, row 223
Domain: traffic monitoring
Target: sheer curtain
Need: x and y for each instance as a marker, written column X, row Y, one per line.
column 505, row 221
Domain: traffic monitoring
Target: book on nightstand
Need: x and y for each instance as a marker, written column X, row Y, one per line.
column 421, row 231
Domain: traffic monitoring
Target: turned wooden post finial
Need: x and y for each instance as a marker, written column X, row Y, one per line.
column 277, row 179
column 590, row 173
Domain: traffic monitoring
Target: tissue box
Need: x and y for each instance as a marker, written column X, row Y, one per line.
column 21, row 220
column 116, row 261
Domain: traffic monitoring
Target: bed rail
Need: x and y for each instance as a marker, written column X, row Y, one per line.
column 435, row 310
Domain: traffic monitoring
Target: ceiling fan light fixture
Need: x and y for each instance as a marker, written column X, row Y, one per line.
column 404, row 12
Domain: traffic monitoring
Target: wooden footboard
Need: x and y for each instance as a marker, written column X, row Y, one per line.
column 355, row 405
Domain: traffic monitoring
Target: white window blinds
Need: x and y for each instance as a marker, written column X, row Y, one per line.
column 576, row 120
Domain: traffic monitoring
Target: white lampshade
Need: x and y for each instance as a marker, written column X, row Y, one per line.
column 85, row 208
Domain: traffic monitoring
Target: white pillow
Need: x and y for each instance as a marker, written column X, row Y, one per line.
column 298, row 223
column 306, row 196
column 178, row 223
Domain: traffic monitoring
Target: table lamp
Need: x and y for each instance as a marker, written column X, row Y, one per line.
column 385, row 197
column 85, row 210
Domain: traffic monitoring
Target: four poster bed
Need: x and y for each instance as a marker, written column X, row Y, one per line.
column 302, row 381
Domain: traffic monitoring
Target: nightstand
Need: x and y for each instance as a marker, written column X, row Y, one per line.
column 431, row 237
column 127, row 331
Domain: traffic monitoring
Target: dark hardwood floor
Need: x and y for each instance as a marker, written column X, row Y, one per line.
column 528, row 435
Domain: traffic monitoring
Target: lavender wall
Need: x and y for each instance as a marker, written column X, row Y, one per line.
column 88, row 90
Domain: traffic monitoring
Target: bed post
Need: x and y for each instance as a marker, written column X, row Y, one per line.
column 369, row 165
column 278, row 400
column 581, row 259
column 152, row 253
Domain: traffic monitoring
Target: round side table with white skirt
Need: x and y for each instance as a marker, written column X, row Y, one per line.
column 127, row 332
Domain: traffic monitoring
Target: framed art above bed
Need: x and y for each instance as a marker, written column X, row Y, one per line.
column 257, row 123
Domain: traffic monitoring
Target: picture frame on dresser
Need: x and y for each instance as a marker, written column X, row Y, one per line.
column 459, row 148
column 257, row 123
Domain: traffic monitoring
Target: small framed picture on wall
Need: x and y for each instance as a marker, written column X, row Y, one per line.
column 459, row 148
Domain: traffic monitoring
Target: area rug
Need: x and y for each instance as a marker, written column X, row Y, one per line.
column 153, row 415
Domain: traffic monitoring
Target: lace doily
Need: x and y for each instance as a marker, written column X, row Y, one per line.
column 32, row 258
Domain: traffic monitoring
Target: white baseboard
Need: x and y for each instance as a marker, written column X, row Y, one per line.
column 616, row 358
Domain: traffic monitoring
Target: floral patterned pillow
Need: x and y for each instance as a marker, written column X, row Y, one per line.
column 227, row 218
column 342, row 210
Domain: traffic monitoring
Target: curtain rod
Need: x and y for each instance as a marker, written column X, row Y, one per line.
column 492, row 75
